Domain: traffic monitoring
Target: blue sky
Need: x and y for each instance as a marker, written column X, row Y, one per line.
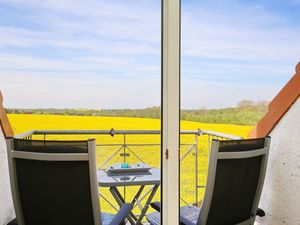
column 106, row 53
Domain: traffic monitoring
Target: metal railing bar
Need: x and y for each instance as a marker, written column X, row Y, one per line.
column 187, row 153
column 142, row 145
column 108, row 159
column 135, row 154
column 25, row 134
column 105, row 199
column 110, row 132
column 124, row 152
column 187, row 144
column 184, row 201
column 144, row 196
column 135, row 145
column 108, row 145
column 208, row 141
column 113, row 132
column 221, row 135
column 196, row 168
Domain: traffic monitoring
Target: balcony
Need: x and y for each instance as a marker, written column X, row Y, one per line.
column 143, row 146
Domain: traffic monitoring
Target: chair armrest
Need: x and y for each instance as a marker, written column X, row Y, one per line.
column 122, row 214
column 156, row 206
column 260, row 212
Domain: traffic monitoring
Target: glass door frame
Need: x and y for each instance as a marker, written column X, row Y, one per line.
column 170, row 105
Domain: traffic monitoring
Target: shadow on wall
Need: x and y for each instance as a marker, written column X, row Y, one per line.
column 6, row 206
column 281, row 197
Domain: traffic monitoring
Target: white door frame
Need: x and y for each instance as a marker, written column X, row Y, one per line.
column 170, row 110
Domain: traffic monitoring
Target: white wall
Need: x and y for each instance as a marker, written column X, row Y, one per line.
column 281, row 194
column 6, row 205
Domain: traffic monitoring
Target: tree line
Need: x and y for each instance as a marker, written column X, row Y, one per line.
column 246, row 112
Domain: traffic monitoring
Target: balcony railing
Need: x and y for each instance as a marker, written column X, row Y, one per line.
column 132, row 146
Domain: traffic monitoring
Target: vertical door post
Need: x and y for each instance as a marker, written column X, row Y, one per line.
column 170, row 110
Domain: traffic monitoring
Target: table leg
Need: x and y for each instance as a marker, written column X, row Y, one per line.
column 118, row 197
column 133, row 200
column 146, row 206
column 138, row 194
column 115, row 189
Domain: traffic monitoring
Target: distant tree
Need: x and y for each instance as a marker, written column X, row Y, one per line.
column 245, row 103
column 247, row 112
column 262, row 103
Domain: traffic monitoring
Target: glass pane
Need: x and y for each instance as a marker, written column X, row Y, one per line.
column 94, row 66
column 236, row 56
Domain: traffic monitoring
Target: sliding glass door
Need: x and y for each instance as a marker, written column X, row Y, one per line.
column 108, row 70
column 93, row 69
column 235, row 57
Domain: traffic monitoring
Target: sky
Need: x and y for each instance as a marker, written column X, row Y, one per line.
column 107, row 53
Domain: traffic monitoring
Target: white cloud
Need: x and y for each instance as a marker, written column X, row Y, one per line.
column 118, row 66
column 243, row 35
column 296, row 1
column 110, row 52
column 114, row 47
column 196, row 94
column 87, row 90
column 136, row 20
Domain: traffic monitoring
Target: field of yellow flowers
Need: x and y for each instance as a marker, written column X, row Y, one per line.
column 149, row 154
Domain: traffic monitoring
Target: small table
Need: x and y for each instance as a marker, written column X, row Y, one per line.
column 114, row 180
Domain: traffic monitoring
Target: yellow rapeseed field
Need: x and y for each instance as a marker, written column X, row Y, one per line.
column 149, row 154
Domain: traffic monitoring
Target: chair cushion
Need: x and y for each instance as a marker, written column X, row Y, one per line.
column 190, row 213
column 153, row 218
column 106, row 218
